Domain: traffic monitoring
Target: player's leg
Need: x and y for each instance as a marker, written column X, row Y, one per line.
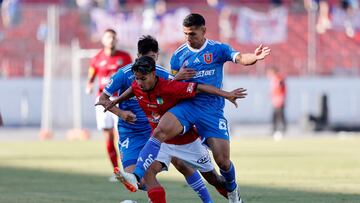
column 105, row 123
column 193, row 179
column 1, row 120
column 273, row 121
column 130, row 144
column 216, row 180
column 283, row 119
column 166, row 155
column 213, row 127
column 195, row 156
column 111, row 150
column 221, row 153
column 156, row 192
column 168, row 127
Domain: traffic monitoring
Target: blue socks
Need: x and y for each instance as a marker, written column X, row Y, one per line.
column 230, row 178
column 197, row 184
column 147, row 155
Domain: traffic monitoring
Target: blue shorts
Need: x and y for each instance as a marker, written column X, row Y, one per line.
column 131, row 143
column 208, row 119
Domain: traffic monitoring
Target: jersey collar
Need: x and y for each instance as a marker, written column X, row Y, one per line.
column 197, row 50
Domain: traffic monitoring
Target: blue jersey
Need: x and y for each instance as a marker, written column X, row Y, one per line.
column 120, row 82
column 208, row 63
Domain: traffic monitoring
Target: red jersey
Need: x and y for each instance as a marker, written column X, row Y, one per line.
column 278, row 90
column 165, row 94
column 105, row 66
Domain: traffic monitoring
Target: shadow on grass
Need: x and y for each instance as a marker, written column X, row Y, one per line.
column 39, row 186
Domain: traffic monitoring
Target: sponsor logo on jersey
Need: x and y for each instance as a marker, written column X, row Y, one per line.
column 204, row 159
column 208, row 58
column 203, row 73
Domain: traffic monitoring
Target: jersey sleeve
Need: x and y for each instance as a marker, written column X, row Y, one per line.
column 116, row 83
column 163, row 73
column 92, row 71
column 175, row 64
column 228, row 53
column 182, row 90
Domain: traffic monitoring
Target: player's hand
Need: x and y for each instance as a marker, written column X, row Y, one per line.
column 261, row 52
column 89, row 88
column 128, row 116
column 107, row 104
column 185, row 74
column 238, row 93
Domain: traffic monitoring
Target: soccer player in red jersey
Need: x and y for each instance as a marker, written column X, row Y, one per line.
column 103, row 66
column 155, row 96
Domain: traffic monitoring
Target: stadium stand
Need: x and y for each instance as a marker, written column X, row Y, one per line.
column 336, row 52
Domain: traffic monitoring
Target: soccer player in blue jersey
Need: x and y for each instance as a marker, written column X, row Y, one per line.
column 135, row 130
column 206, row 57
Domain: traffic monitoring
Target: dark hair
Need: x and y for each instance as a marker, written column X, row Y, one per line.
column 146, row 44
column 110, row 30
column 193, row 19
column 144, row 65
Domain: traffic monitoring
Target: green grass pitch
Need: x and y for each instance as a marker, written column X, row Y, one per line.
column 296, row 170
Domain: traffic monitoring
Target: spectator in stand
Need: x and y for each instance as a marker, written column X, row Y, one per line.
column 323, row 21
column 350, row 7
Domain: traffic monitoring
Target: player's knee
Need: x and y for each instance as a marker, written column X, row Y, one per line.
column 150, row 174
column 223, row 162
column 160, row 133
column 182, row 167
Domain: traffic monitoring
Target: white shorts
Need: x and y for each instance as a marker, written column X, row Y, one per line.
column 194, row 154
column 105, row 120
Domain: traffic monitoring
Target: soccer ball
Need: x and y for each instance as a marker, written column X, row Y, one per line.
column 128, row 201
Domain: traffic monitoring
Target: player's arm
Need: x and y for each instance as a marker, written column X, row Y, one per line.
column 250, row 58
column 109, row 105
column 232, row 96
column 90, row 81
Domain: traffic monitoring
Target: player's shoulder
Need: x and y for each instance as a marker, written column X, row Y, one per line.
column 214, row 43
column 161, row 69
column 99, row 55
column 182, row 48
column 164, row 84
column 126, row 69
